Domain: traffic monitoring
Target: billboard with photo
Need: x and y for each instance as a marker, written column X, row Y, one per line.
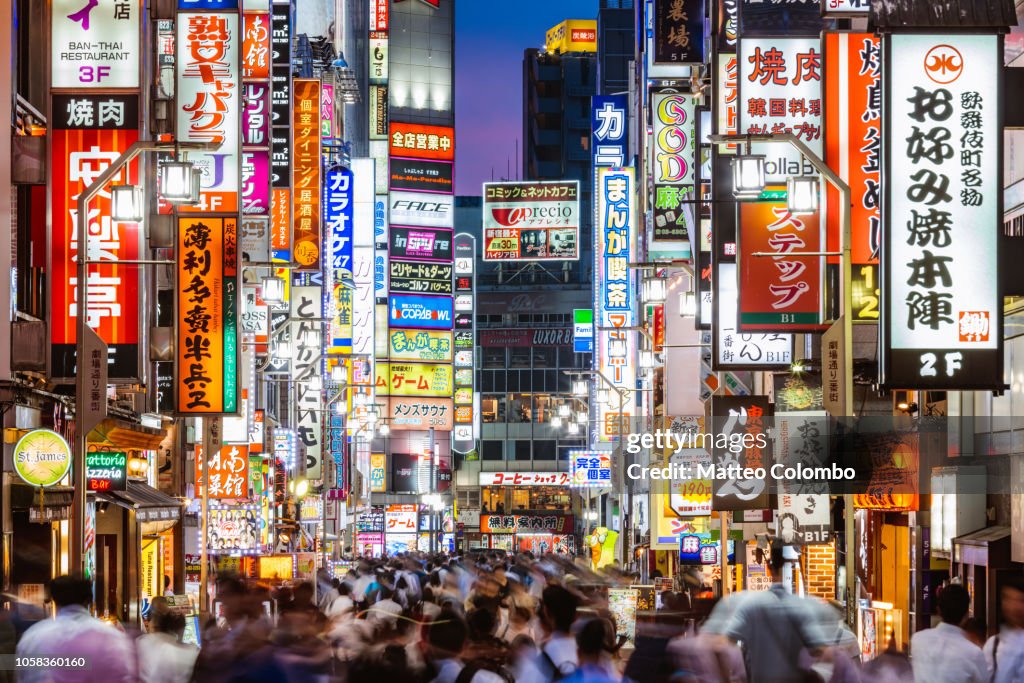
column 531, row 221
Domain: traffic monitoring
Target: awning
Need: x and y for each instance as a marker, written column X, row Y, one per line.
column 57, row 502
column 124, row 434
column 149, row 504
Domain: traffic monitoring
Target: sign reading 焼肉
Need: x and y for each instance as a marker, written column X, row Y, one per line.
column 942, row 322
column 207, row 314
column 531, row 221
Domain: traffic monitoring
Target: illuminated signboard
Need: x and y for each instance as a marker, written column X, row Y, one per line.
column 106, row 471
column 531, row 221
column 207, row 310
column 94, row 44
column 942, row 308
column 306, row 142
column 413, row 379
column 417, row 141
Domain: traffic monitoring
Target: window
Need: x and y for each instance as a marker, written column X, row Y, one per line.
column 543, row 450
column 492, row 407
column 468, row 498
column 520, row 408
column 522, row 450
column 492, row 450
column 544, row 357
column 494, row 357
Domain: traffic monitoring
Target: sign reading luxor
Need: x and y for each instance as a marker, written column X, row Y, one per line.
column 207, row 310
column 531, row 221
column 942, row 325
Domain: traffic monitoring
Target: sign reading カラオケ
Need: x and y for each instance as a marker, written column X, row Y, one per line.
column 95, row 43
column 941, row 325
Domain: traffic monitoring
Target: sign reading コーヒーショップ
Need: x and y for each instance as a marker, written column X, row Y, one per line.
column 42, row 458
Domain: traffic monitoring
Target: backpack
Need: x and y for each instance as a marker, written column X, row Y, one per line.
column 483, row 664
column 555, row 673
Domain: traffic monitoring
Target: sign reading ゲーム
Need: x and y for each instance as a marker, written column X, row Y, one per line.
column 42, row 458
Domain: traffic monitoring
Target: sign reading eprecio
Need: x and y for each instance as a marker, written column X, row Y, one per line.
column 531, row 221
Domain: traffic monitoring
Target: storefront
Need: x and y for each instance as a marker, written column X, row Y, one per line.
column 537, row 532
column 503, row 492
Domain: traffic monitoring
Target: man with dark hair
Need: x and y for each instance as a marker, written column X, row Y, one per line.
column 558, row 612
column 944, row 654
column 163, row 658
column 443, row 646
column 107, row 652
column 1004, row 652
column 774, row 627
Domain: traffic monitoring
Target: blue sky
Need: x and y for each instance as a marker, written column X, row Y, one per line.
column 490, row 36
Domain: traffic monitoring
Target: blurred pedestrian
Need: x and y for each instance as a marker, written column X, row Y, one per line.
column 944, row 654
column 107, row 652
column 1004, row 652
column 163, row 657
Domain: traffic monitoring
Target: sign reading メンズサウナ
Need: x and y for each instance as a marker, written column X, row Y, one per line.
column 942, row 308
column 531, row 221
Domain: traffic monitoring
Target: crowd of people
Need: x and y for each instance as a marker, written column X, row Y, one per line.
column 493, row 618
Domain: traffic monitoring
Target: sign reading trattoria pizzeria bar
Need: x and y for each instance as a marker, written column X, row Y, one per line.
column 942, row 308
column 525, row 524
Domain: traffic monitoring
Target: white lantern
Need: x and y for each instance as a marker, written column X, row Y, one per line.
column 748, row 175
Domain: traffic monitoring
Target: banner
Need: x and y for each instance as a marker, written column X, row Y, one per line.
column 307, row 305
column 615, row 293
column 210, row 104
column 737, row 351
column 531, row 221
column 609, row 143
column 853, row 140
column 306, row 143
column 207, row 313
column 421, row 175
column 413, row 379
column 673, row 160
column 94, row 45
column 942, row 321
column 411, row 310
column 89, row 133
column 678, row 31
column 229, row 472
column 420, row 414
column 780, row 92
column 740, row 422
column 781, row 293
column 417, row 141
column 420, row 345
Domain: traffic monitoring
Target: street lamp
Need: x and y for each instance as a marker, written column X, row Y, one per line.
column 315, row 382
column 802, row 195
column 338, row 374
column 748, row 175
column 127, row 204
column 687, row 304
column 582, row 417
column 273, row 290
column 603, row 396
column 282, row 350
column 564, row 410
column 647, row 360
column 580, row 387
column 556, row 422
column 654, row 290
column 180, row 182
column 574, row 429
column 311, row 338
column 384, row 429
column 616, row 348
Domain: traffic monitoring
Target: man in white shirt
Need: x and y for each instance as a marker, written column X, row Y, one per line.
column 1004, row 653
column 944, row 654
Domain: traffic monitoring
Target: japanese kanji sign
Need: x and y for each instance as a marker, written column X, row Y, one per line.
column 210, row 103
column 306, row 142
column 229, row 472
column 780, row 92
column 378, row 484
column 511, row 524
column 89, row 133
column 942, row 319
column 94, row 43
column 256, row 46
column 742, row 420
column 853, row 138
column 590, row 469
column 207, row 314
column 417, row 141
column 782, row 292
column 615, row 292
column 413, row 379
column 339, row 222
column 420, row 414
column 741, row 351
column 678, row 31
column 531, row 221
column 609, row 130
